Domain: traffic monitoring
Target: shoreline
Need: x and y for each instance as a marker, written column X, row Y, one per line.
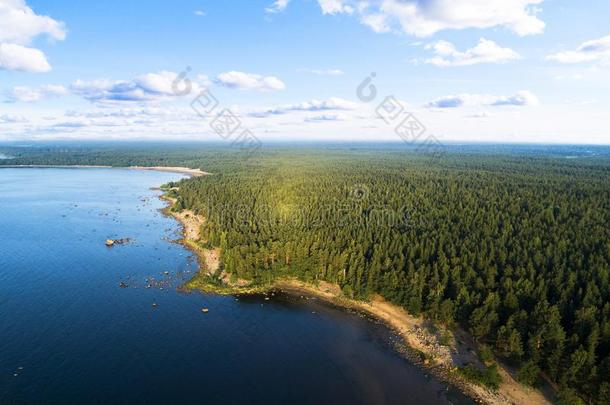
column 420, row 337
column 167, row 169
column 415, row 336
column 172, row 169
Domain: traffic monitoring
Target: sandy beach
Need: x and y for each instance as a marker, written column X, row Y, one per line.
column 182, row 170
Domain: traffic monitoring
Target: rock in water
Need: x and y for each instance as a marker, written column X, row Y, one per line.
column 112, row 242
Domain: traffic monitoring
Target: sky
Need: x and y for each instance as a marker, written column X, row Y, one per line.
column 535, row 71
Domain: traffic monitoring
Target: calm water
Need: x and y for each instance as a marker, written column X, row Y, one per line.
column 70, row 334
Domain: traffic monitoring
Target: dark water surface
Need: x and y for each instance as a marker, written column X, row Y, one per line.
column 69, row 334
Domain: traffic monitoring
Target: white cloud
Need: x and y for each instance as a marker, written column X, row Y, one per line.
column 335, row 7
column 200, row 13
column 322, row 72
column 425, row 18
column 249, row 81
column 326, row 118
column 150, row 87
column 522, row 98
column 18, row 57
column 12, row 119
column 485, row 51
column 19, row 25
column 482, row 114
column 596, row 50
column 377, row 22
column 161, row 83
column 277, row 6
column 140, row 113
column 71, row 124
column 29, row 95
column 333, row 103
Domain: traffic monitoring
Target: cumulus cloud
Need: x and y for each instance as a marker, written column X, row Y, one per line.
column 522, row 98
column 19, row 25
column 485, row 51
column 335, row 6
column 29, row 95
column 18, row 57
column 249, row 81
column 333, row 103
column 322, row 72
column 596, row 50
column 425, row 18
column 277, row 6
column 150, row 87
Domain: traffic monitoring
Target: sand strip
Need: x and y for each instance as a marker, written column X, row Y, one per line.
column 169, row 169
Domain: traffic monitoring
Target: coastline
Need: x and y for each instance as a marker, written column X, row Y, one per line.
column 421, row 346
column 170, row 169
column 422, row 339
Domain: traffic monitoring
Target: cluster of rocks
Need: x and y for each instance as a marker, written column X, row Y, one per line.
column 112, row 242
column 166, row 281
column 431, row 344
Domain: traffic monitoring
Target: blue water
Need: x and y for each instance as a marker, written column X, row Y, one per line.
column 70, row 335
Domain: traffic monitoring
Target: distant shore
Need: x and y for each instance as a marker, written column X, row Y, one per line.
column 169, row 169
column 421, row 338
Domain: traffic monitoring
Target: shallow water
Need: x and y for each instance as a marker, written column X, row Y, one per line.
column 70, row 334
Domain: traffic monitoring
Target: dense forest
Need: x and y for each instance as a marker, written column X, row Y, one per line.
column 513, row 246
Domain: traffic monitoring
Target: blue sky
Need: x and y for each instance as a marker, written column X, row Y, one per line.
column 474, row 70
